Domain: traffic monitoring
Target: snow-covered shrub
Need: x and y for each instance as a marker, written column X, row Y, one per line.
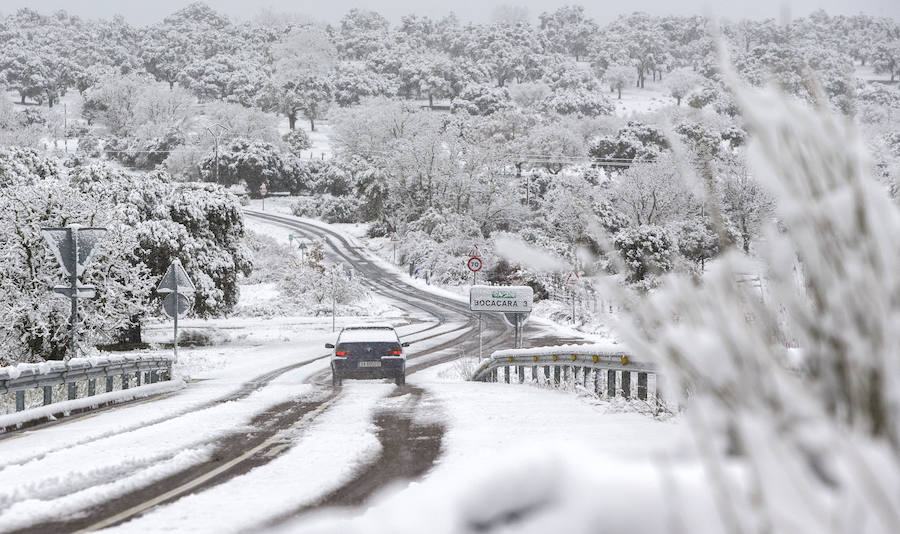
column 443, row 227
column 297, row 141
column 252, row 163
column 579, row 102
column 529, row 94
column 781, row 444
column 26, row 165
column 329, row 208
column 478, row 99
column 143, row 153
column 647, row 252
column 635, row 141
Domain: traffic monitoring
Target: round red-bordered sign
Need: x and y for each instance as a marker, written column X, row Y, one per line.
column 474, row 264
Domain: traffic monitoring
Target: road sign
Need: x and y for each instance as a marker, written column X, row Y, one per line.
column 175, row 284
column 168, row 305
column 572, row 279
column 81, row 292
column 501, row 298
column 175, row 279
column 263, row 189
column 73, row 246
column 474, row 264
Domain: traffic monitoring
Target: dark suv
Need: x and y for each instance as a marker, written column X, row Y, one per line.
column 368, row 352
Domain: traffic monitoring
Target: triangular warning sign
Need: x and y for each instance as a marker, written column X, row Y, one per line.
column 572, row 279
column 175, row 278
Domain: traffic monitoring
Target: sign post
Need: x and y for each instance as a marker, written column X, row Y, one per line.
column 394, row 240
column 73, row 247
column 176, row 285
column 263, row 189
column 474, row 264
column 513, row 301
column 302, row 245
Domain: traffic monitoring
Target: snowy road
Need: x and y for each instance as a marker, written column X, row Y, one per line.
column 230, row 454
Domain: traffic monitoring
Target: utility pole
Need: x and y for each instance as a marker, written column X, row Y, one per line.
column 216, row 137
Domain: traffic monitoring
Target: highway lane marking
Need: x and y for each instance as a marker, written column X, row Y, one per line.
column 122, row 516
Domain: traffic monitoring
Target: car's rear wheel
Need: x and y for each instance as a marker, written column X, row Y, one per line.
column 336, row 379
column 400, row 380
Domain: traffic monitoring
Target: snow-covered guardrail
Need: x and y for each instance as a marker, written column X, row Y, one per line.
column 605, row 368
column 27, row 379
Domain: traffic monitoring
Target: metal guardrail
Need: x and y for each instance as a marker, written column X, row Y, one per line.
column 47, row 375
column 604, row 368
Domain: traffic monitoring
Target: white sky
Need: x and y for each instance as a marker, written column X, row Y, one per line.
column 142, row 13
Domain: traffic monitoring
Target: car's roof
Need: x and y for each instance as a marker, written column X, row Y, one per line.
column 359, row 335
column 376, row 326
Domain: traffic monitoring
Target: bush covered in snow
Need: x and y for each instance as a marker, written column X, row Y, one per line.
column 329, row 208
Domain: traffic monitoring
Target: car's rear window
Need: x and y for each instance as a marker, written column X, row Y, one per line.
column 357, row 335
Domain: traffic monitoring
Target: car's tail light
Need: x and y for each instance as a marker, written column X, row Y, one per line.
column 342, row 353
column 395, row 353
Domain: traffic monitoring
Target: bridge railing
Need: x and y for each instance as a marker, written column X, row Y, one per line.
column 605, row 369
column 80, row 376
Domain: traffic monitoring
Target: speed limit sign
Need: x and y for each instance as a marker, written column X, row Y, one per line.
column 474, row 264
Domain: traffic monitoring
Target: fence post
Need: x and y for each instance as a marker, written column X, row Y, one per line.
column 146, row 377
column 154, row 376
column 547, row 377
column 137, row 379
column 534, row 377
column 109, row 384
column 125, row 380
column 92, row 387
column 626, row 384
column 72, row 392
column 48, row 395
column 597, row 382
column 521, row 372
column 556, row 376
column 611, row 383
column 506, row 374
column 20, row 401
column 642, row 386
column 585, row 371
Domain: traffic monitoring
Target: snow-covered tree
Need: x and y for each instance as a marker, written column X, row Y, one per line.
column 617, row 77
column 568, row 30
column 654, row 193
column 680, row 83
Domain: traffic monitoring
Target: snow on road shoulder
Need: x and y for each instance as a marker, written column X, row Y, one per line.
column 62, row 482
column 241, row 364
column 322, row 456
